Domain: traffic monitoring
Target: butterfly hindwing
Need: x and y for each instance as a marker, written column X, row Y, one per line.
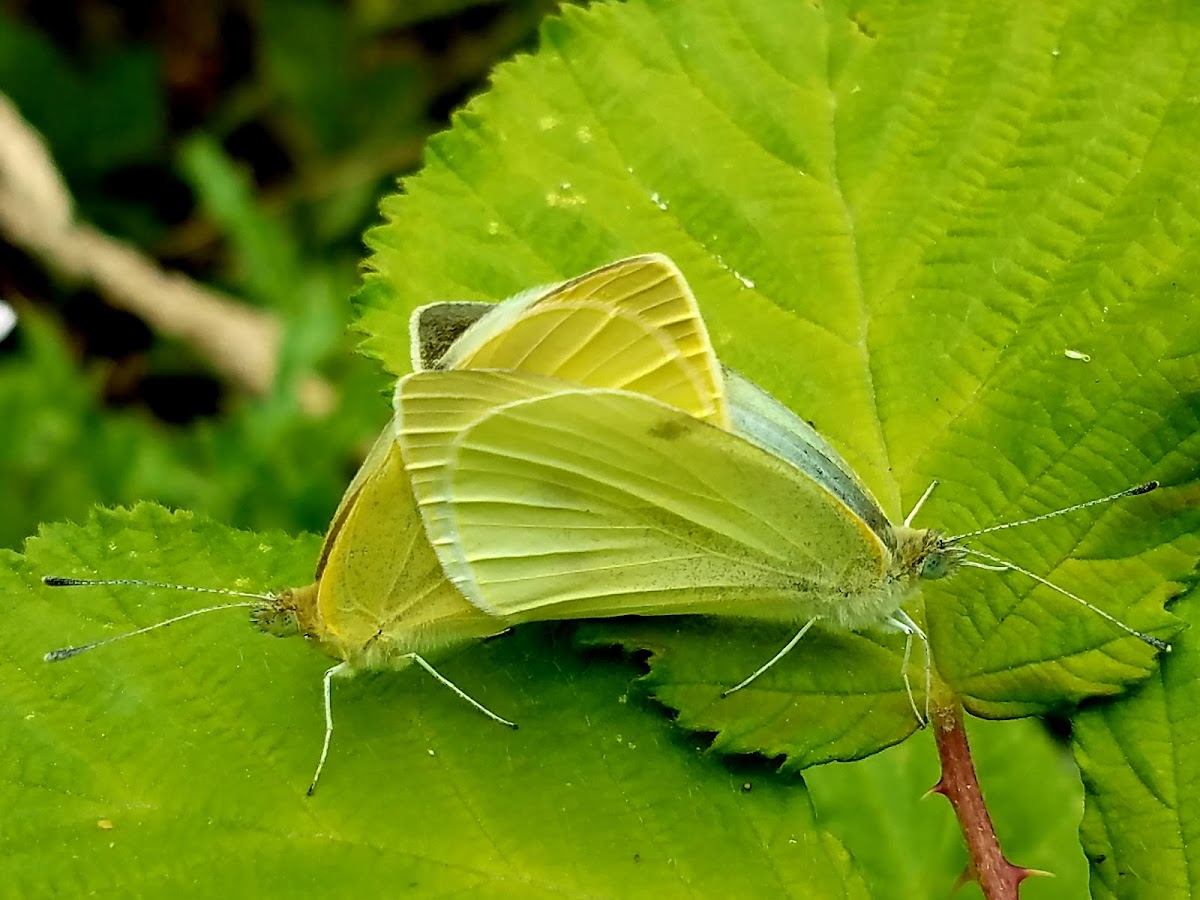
column 381, row 572
column 763, row 420
column 551, row 500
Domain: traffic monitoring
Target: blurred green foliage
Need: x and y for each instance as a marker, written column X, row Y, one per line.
column 246, row 146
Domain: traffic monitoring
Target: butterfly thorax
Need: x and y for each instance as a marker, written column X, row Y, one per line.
column 297, row 611
column 916, row 553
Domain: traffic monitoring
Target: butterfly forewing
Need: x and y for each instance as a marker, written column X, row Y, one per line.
column 434, row 327
column 632, row 325
column 763, row 420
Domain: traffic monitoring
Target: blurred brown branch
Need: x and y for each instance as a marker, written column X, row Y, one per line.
column 36, row 215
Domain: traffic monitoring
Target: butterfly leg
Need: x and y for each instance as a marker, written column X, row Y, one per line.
column 420, row 661
column 776, row 658
column 901, row 621
column 339, row 669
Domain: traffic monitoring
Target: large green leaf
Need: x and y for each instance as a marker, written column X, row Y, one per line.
column 1142, row 774
column 177, row 761
column 899, row 219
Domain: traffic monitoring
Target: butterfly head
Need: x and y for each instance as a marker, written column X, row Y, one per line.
column 927, row 553
column 283, row 615
column 941, row 557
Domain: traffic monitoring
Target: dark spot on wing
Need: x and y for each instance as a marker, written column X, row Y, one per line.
column 436, row 336
column 671, row 429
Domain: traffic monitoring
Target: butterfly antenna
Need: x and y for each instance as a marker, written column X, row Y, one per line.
column 917, row 508
column 68, row 652
column 999, row 563
column 1128, row 492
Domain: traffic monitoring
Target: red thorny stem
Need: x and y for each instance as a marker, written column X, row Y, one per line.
column 999, row 879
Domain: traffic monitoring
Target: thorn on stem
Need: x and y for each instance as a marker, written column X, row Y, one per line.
column 939, row 788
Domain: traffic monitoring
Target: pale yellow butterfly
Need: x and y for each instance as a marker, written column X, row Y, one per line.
column 381, row 599
column 753, row 413
column 546, row 499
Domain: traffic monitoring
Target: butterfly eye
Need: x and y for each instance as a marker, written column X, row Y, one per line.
column 275, row 620
column 935, row 565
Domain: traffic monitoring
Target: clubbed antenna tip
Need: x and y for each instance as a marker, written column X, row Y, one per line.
column 64, row 653
column 59, row 581
column 1053, row 514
